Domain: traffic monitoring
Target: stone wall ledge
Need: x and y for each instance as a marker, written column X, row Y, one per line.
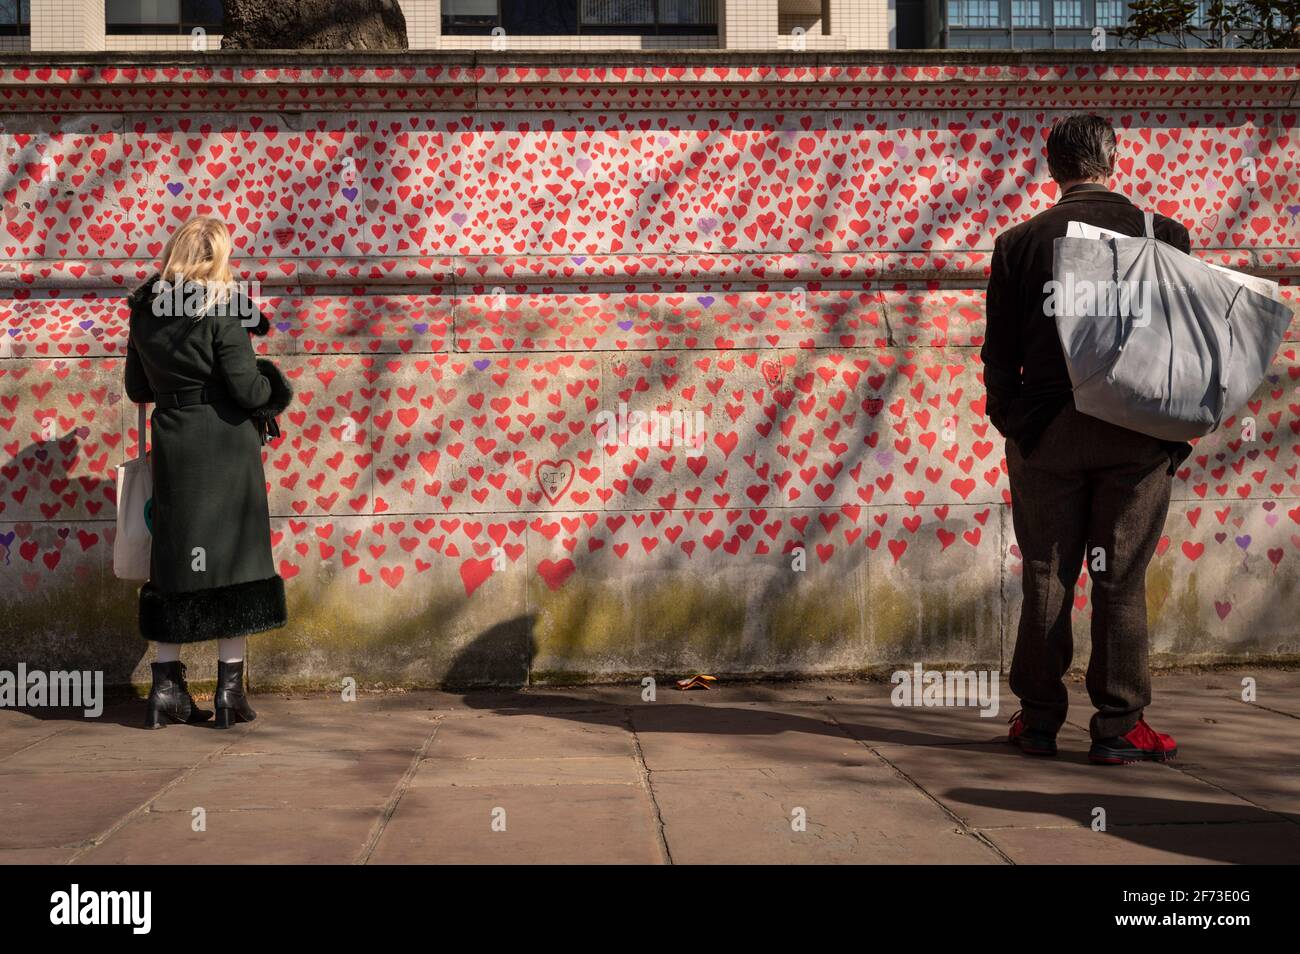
column 706, row 79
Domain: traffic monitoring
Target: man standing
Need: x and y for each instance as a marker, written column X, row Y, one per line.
column 1078, row 484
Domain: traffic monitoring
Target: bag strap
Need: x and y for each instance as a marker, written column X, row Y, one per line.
column 139, row 432
column 1119, row 314
column 1149, row 223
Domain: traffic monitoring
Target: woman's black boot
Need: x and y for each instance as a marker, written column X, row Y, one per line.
column 170, row 699
column 232, row 704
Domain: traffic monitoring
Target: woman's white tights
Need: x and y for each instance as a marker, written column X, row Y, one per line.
column 229, row 650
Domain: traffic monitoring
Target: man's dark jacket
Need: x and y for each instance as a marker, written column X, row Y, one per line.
column 1024, row 366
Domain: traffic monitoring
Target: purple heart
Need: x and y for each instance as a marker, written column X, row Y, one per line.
column 625, row 325
column 86, row 325
column 420, row 328
column 7, row 538
column 579, row 259
column 175, row 188
column 706, row 300
column 460, row 218
column 1293, row 209
column 482, row 365
column 282, row 326
column 1244, row 541
column 707, row 225
column 350, row 194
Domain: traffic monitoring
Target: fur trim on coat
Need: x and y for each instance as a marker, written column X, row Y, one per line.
column 281, row 391
column 144, row 293
column 239, row 609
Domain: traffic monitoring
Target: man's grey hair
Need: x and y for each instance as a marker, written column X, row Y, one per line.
column 1081, row 146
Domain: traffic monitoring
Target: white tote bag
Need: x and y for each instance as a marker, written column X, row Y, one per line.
column 1171, row 346
column 134, row 540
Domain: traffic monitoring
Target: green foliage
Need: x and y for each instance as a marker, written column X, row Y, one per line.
column 1253, row 24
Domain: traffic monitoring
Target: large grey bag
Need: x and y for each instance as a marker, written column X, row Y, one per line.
column 1167, row 346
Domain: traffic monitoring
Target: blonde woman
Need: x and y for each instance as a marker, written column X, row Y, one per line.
column 211, row 573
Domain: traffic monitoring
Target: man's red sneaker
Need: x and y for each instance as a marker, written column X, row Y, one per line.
column 1141, row 744
column 1030, row 741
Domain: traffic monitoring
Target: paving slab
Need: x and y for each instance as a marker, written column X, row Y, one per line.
column 709, row 737
column 480, row 773
column 1250, row 751
column 1277, row 689
column 995, row 786
column 325, row 723
column 36, row 856
column 18, row 730
column 296, row 837
column 1266, row 843
column 108, row 746
column 544, row 824
column 879, row 722
column 51, row 809
column 298, row 780
column 851, row 815
column 535, row 700
column 726, row 693
column 517, row 734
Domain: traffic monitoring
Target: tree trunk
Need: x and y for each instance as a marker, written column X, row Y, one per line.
column 314, row 25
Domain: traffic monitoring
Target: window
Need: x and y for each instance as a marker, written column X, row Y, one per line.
column 617, row 12
column 15, row 18
column 974, row 13
column 1068, row 13
column 574, row 17
column 161, row 16
column 1111, row 13
column 1033, row 24
column 1026, row 13
column 470, row 15
column 644, row 16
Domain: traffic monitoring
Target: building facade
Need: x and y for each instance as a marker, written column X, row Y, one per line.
column 92, row 25
column 1024, row 24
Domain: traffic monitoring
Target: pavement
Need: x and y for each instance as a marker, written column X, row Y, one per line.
column 811, row 772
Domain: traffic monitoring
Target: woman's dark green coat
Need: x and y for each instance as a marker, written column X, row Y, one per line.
column 211, row 571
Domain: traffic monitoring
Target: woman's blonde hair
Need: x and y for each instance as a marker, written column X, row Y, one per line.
column 199, row 251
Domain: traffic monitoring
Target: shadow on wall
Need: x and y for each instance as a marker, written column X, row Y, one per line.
column 63, row 608
column 500, row 656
